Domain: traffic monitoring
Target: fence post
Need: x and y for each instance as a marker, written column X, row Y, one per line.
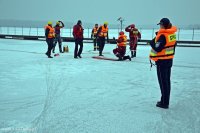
column 193, row 35
column 70, row 32
column 15, row 30
column 37, row 31
column 178, row 33
column 152, row 33
column 7, row 30
column 88, row 33
column 22, row 31
column 30, row 31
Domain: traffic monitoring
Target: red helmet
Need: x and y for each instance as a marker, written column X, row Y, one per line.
column 121, row 33
column 132, row 26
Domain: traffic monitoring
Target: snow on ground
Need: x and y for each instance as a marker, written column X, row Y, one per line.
column 67, row 95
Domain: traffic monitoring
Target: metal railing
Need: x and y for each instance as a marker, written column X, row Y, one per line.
column 147, row 34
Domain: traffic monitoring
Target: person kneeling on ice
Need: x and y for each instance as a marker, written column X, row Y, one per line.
column 120, row 51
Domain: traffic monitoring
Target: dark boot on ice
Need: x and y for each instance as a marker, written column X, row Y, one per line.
column 161, row 105
column 79, row 56
column 60, row 49
column 127, row 57
column 120, row 58
column 132, row 54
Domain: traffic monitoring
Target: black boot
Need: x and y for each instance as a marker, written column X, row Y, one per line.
column 79, row 56
column 60, row 49
column 161, row 105
column 127, row 57
column 53, row 50
column 100, row 53
column 132, row 54
column 119, row 57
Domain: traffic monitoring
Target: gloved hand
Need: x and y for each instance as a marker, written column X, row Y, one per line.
column 139, row 39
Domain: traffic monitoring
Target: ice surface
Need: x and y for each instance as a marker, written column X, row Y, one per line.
column 67, row 95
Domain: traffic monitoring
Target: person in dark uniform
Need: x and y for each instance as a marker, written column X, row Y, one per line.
column 162, row 52
column 58, row 39
column 50, row 35
column 94, row 37
column 102, row 33
column 78, row 36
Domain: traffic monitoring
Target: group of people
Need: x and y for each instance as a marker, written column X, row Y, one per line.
column 162, row 52
column 52, row 35
column 99, row 34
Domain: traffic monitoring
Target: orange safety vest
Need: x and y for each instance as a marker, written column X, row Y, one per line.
column 51, row 31
column 95, row 30
column 103, row 32
column 169, row 49
column 124, row 38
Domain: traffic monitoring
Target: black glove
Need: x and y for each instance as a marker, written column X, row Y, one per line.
column 139, row 39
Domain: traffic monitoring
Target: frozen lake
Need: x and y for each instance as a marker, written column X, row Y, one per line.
column 67, row 95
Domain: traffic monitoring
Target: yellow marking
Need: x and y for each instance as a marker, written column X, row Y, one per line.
column 172, row 37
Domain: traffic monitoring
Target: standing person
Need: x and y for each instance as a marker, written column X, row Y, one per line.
column 162, row 52
column 94, row 36
column 134, row 36
column 102, row 33
column 120, row 51
column 58, row 39
column 50, row 35
column 78, row 36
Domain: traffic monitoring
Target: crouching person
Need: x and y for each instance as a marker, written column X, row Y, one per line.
column 120, row 51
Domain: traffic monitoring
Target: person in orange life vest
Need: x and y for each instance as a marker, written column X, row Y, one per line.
column 58, row 39
column 134, row 36
column 78, row 36
column 102, row 33
column 94, row 36
column 120, row 51
column 50, row 35
column 162, row 52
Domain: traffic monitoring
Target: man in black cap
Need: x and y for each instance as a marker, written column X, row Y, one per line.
column 162, row 52
column 78, row 36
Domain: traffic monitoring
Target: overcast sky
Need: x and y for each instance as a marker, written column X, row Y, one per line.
column 141, row 12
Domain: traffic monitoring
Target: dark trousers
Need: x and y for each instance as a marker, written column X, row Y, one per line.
column 50, row 44
column 101, row 41
column 96, row 45
column 57, row 39
column 78, row 51
column 164, row 73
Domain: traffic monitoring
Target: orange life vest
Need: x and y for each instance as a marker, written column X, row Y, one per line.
column 169, row 49
column 95, row 30
column 103, row 32
column 124, row 40
column 51, row 31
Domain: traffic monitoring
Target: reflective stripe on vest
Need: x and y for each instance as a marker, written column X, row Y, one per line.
column 124, row 42
column 51, row 31
column 103, row 32
column 169, row 49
